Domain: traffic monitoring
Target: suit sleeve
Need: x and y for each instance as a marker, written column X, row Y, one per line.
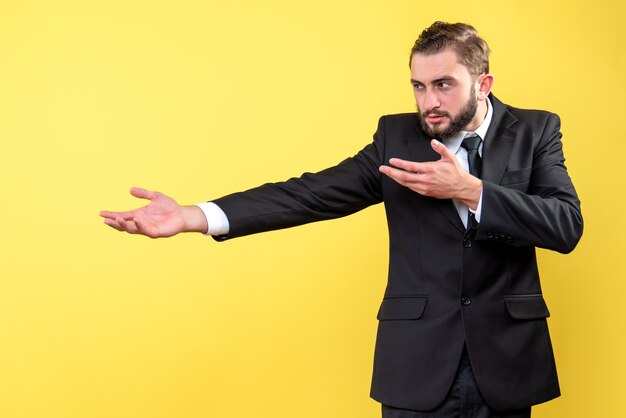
column 547, row 214
column 346, row 188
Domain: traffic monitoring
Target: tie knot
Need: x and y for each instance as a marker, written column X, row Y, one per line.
column 471, row 142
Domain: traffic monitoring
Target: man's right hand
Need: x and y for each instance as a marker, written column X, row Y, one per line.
column 163, row 217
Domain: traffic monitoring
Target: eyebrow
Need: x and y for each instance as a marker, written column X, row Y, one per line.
column 439, row 80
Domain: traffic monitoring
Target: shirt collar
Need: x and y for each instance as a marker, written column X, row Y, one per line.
column 454, row 142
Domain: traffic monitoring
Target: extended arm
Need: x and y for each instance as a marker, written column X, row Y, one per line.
column 348, row 187
column 337, row 191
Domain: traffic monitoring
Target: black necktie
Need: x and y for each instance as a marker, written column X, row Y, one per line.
column 471, row 143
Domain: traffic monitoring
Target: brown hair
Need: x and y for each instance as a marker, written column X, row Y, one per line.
column 472, row 51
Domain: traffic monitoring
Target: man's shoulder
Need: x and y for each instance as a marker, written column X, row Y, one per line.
column 529, row 113
column 524, row 115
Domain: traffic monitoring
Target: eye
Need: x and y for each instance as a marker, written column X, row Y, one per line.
column 444, row 85
column 417, row 86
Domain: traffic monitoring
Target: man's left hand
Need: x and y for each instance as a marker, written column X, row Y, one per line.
column 442, row 179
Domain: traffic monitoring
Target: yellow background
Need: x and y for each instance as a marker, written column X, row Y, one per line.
column 198, row 99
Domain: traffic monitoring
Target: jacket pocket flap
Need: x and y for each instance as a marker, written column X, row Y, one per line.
column 402, row 307
column 526, row 306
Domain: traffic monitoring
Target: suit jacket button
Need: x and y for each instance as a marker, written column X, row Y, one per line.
column 467, row 243
column 490, row 235
column 465, row 301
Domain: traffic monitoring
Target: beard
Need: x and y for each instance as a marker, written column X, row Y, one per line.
column 456, row 124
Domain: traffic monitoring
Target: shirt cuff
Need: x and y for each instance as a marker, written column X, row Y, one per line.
column 215, row 217
column 479, row 208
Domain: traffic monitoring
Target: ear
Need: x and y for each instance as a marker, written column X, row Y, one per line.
column 484, row 83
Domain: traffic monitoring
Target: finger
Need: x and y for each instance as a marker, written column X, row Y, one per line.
column 114, row 215
column 140, row 227
column 401, row 176
column 113, row 224
column 441, row 149
column 411, row 166
column 143, row 193
column 107, row 214
column 142, row 224
column 126, row 225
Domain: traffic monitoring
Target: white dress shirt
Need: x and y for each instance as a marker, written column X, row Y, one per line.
column 218, row 222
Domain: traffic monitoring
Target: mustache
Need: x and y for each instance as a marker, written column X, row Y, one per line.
column 435, row 112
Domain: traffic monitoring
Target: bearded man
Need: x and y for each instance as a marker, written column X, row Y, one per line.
column 471, row 188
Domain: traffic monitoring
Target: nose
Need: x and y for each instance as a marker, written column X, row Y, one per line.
column 431, row 101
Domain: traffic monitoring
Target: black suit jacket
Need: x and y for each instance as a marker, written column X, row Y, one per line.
column 449, row 287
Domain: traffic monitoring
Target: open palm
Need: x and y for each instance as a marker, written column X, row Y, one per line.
column 161, row 218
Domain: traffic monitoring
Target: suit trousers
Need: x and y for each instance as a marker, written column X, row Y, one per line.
column 463, row 401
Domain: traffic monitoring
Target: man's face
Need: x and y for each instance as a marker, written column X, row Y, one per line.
column 445, row 94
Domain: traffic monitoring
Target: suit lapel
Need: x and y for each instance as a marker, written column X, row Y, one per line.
column 498, row 142
column 421, row 151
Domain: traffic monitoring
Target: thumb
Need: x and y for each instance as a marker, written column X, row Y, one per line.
column 441, row 149
column 143, row 193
